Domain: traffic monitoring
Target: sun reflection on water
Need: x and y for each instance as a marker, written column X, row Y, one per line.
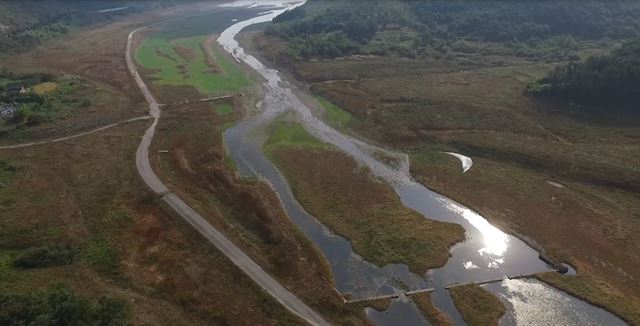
column 495, row 241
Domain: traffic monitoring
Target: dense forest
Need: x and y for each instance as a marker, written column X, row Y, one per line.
column 612, row 79
column 27, row 23
column 548, row 30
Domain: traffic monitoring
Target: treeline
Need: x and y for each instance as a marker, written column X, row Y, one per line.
column 611, row 80
column 535, row 29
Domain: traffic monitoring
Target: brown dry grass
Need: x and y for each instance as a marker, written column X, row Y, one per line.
column 434, row 315
column 87, row 190
column 248, row 212
column 184, row 52
column 207, row 46
column 477, row 306
column 348, row 200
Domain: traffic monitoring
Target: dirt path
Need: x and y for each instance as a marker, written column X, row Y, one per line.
column 145, row 117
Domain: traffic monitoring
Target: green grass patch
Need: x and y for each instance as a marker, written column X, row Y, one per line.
column 223, row 109
column 477, row 306
column 334, row 115
column 99, row 254
column 291, row 134
column 159, row 54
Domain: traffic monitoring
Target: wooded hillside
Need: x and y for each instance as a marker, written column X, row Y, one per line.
column 546, row 30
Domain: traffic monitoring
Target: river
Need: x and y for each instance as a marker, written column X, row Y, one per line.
column 486, row 254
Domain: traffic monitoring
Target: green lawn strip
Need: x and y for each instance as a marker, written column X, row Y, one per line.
column 158, row 54
column 477, row 306
column 335, row 115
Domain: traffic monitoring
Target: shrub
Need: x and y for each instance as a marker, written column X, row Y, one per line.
column 44, row 257
column 60, row 306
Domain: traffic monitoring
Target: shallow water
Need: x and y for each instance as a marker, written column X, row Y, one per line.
column 398, row 313
column 488, row 253
column 531, row 302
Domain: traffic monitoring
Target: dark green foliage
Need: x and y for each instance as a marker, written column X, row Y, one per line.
column 532, row 29
column 611, row 79
column 44, row 257
column 60, row 306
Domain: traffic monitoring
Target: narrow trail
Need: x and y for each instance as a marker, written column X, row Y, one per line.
column 219, row 240
column 55, row 140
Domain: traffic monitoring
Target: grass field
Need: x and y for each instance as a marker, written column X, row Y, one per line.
column 477, row 306
column 348, row 200
column 183, row 62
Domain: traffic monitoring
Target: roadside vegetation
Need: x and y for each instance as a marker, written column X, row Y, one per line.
column 101, row 234
column 197, row 167
column 351, row 202
column 478, row 306
column 425, row 304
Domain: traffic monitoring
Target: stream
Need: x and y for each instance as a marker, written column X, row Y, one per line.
column 487, row 254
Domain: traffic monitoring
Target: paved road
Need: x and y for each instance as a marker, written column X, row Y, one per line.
column 239, row 258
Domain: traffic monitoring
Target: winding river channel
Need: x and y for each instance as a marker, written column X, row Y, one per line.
column 487, row 254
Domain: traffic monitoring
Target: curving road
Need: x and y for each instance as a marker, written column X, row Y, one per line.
column 235, row 254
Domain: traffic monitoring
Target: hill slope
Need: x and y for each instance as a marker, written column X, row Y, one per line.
column 607, row 79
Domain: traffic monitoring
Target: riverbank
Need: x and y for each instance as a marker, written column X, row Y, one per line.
column 477, row 306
